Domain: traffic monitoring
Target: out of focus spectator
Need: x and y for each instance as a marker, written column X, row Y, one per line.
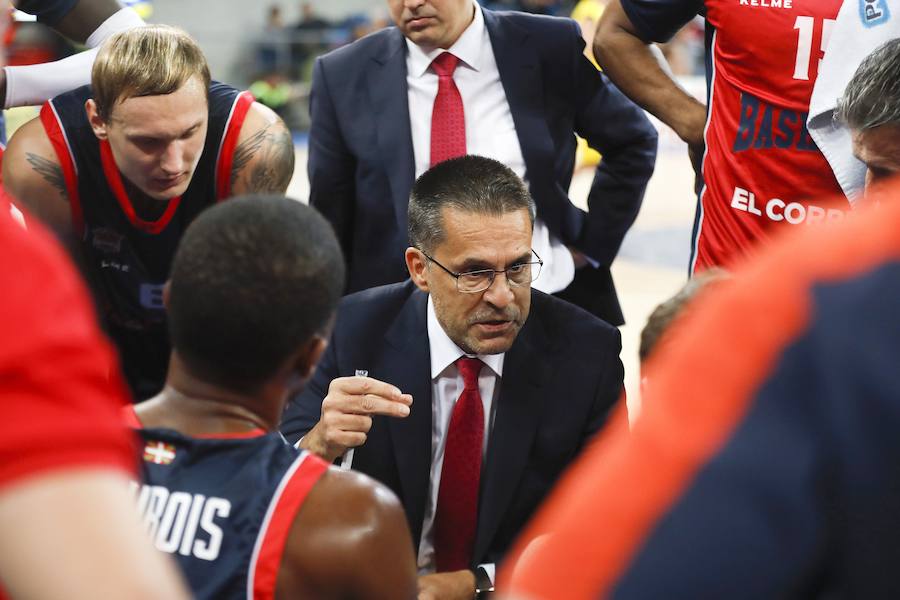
column 272, row 51
column 309, row 38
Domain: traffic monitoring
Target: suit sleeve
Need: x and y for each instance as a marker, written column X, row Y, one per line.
column 659, row 20
column 609, row 391
column 620, row 130
column 331, row 165
column 304, row 409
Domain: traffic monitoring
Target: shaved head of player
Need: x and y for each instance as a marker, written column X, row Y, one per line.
column 254, row 286
column 870, row 107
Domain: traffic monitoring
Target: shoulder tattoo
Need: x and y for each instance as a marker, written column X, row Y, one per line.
column 272, row 151
column 50, row 171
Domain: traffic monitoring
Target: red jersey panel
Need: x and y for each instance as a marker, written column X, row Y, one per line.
column 60, row 391
column 762, row 171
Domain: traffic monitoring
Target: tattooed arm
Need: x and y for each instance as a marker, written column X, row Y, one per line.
column 33, row 177
column 264, row 155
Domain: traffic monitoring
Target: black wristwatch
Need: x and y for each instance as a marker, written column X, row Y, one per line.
column 484, row 587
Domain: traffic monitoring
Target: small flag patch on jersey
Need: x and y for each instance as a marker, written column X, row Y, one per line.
column 159, row 453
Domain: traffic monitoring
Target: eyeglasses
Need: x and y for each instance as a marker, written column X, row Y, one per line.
column 472, row 282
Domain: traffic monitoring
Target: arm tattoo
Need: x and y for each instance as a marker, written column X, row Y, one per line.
column 273, row 149
column 49, row 171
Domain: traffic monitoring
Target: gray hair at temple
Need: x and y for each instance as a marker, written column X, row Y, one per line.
column 473, row 184
column 872, row 98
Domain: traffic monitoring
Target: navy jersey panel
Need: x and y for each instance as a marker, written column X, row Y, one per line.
column 799, row 498
column 659, row 20
column 206, row 507
column 46, row 11
column 127, row 267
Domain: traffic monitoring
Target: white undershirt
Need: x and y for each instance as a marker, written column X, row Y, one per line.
column 446, row 386
column 490, row 130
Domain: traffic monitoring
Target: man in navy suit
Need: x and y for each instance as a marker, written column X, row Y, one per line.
column 524, row 87
column 479, row 390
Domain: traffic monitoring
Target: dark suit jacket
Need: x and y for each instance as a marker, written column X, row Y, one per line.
column 560, row 379
column 361, row 164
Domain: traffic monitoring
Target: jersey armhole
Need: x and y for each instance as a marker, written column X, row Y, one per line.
column 225, row 156
column 268, row 551
column 57, row 136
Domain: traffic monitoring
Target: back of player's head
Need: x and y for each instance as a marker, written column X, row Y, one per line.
column 469, row 183
column 253, row 280
column 664, row 315
column 145, row 61
column 872, row 98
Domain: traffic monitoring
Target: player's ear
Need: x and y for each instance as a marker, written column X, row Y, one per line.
column 97, row 123
column 167, row 292
column 416, row 264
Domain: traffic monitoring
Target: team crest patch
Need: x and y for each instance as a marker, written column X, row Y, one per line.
column 874, row 12
column 107, row 240
column 159, row 453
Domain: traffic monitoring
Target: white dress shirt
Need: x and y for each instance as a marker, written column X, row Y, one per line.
column 446, row 386
column 490, row 130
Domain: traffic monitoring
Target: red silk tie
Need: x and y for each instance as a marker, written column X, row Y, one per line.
column 457, row 506
column 448, row 120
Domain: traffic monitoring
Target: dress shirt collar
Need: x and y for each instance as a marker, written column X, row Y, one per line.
column 444, row 351
column 468, row 48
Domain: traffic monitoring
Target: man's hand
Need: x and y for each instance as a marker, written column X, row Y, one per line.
column 456, row 585
column 347, row 414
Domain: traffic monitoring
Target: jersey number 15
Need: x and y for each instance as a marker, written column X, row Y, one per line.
column 805, row 27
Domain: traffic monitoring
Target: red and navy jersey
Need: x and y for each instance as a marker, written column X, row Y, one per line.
column 55, row 364
column 223, row 506
column 761, row 168
column 127, row 259
column 764, row 462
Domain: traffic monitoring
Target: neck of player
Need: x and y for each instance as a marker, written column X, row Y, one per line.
column 192, row 406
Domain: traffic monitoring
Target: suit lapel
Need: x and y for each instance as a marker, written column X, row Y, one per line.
column 518, row 414
column 520, row 73
column 387, row 87
column 407, row 364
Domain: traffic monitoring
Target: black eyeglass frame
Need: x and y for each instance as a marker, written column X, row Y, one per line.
column 493, row 273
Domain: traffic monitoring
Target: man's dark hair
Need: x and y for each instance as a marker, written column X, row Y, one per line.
column 872, row 98
column 253, row 279
column 469, row 183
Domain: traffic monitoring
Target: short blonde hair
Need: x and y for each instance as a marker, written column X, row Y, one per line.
column 145, row 61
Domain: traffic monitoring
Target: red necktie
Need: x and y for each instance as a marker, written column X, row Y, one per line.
column 457, row 505
column 448, row 121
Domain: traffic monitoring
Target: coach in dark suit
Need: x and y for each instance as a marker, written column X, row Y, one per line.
column 523, row 87
column 480, row 390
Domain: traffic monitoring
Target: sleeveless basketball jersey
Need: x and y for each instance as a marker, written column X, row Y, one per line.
column 127, row 259
column 761, row 171
column 223, row 506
